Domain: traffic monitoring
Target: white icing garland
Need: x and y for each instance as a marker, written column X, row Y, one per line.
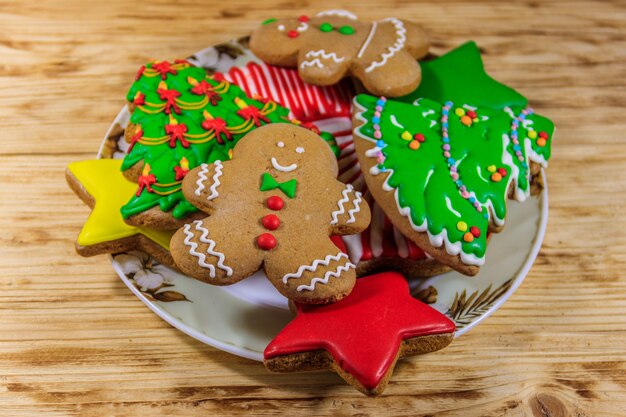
column 397, row 46
column 341, row 268
column 314, row 265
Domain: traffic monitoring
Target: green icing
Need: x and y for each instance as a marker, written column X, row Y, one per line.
column 422, row 177
column 162, row 157
column 287, row 187
column 459, row 76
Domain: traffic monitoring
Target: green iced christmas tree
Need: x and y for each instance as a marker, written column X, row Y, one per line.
column 453, row 151
column 182, row 118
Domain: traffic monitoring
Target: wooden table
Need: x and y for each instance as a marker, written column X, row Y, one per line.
column 75, row 341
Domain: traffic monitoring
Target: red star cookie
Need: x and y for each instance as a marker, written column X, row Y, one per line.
column 361, row 336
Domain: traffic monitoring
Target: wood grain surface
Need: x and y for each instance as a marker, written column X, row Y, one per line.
column 74, row 341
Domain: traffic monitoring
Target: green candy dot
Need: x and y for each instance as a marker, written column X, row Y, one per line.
column 326, row 27
column 346, row 30
column 268, row 21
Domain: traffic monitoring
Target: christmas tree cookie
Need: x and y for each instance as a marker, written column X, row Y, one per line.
column 442, row 169
column 181, row 118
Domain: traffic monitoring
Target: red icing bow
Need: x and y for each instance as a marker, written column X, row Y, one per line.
column 177, row 133
column 254, row 114
column 169, row 96
column 164, row 68
column 145, row 180
column 204, row 88
column 219, row 126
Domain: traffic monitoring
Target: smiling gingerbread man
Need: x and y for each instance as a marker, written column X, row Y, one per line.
column 334, row 43
column 273, row 206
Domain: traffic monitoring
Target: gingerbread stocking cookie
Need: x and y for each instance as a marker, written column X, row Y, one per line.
column 273, row 206
column 334, row 44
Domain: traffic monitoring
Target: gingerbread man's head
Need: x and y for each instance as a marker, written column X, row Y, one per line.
column 286, row 149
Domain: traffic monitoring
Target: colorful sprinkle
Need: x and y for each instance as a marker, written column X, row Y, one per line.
column 293, row 34
column 419, row 137
column 541, row 142
column 415, row 145
column 543, row 135
column 468, row 237
column 532, row 134
column 326, row 27
column 346, row 30
column 475, row 231
column 459, row 111
column 466, row 120
column 406, row 135
column 502, row 172
column 491, row 168
column 496, row 177
column 461, row 226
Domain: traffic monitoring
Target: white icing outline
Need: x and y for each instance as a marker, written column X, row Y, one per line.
column 204, row 169
column 342, row 13
column 314, row 265
column 396, row 47
column 366, row 44
column 282, row 168
column 341, row 268
column 216, row 180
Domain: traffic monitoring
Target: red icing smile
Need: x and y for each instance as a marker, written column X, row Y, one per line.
column 363, row 331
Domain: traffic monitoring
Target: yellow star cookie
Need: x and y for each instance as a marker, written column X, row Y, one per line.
column 101, row 185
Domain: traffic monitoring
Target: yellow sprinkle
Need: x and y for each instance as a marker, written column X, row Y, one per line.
column 532, row 134
column 491, row 168
column 461, row 226
column 459, row 112
column 406, row 135
column 475, row 120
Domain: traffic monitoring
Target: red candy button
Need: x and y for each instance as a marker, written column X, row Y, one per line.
column 475, row 231
column 271, row 222
column 274, row 203
column 266, row 241
column 293, row 34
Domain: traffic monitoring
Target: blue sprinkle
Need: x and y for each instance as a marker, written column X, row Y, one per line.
column 485, row 215
column 380, row 103
column 449, row 103
column 514, row 135
column 517, row 148
column 524, row 164
column 445, row 140
column 376, row 119
column 459, row 183
column 444, row 125
column 451, row 161
column 383, row 169
column 380, row 143
column 472, row 200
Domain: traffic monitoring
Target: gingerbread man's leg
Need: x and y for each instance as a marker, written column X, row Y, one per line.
column 318, row 271
column 211, row 251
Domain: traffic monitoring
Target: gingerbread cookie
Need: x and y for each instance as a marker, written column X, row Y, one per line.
column 362, row 336
column 273, row 206
column 442, row 172
column 181, row 118
column 334, row 44
column 101, row 185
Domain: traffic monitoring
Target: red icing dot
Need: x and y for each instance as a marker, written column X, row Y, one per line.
column 271, row 222
column 293, row 34
column 274, row 203
column 543, row 135
column 419, row 137
column 266, row 241
column 502, row 172
column 471, row 114
column 303, row 18
column 475, row 231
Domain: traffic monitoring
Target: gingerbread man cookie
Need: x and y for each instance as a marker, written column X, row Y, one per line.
column 333, row 44
column 273, row 206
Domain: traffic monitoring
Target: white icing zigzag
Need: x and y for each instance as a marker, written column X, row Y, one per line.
column 210, row 249
column 397, row 46
column 342, row 13
column 356, row 209
column 201, row 178
column 325, row 55
column 314, row 265
column 327, row 275
column 216, row 180
column 335, row 214
column 314, row 63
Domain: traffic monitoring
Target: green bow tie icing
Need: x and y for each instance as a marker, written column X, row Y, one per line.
column 288, row 187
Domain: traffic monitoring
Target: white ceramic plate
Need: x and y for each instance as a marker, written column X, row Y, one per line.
column 243, row 318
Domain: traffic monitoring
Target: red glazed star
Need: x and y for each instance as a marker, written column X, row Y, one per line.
column 361, row 336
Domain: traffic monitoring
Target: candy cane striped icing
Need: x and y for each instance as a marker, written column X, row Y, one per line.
column 335, row 214
column 341, row 268
column 397, row 46
column 210, row 249
column 314, row 265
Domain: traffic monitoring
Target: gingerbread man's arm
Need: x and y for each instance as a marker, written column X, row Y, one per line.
column 202, row 185
column 351, row 213
column 417, row 43
column 322, row 67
